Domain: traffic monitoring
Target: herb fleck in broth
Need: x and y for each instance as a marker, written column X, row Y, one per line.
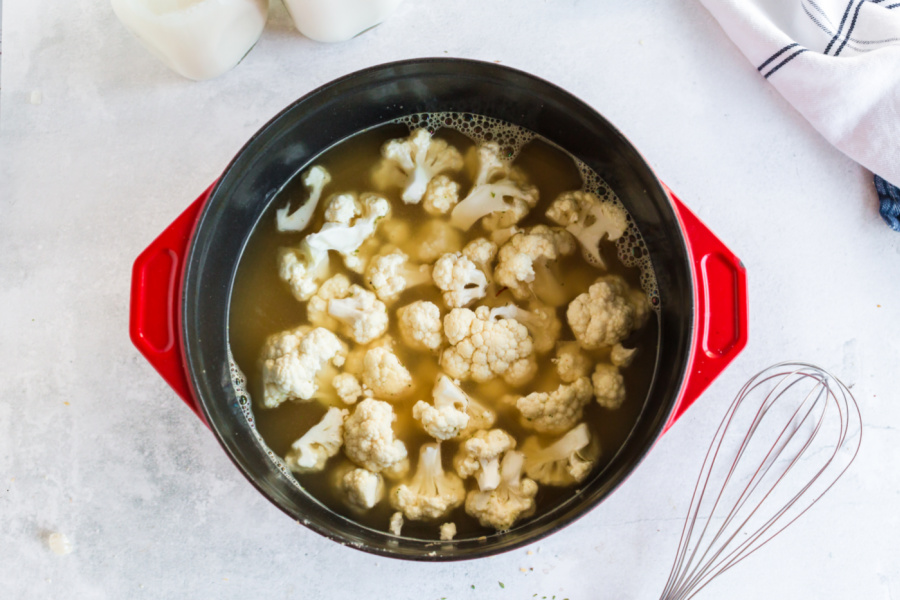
column 262, row 305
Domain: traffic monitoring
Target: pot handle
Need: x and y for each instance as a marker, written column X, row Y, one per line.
column 155, row 297
column 720, row 333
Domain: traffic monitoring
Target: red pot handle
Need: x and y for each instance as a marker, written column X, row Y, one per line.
column 156, row 281
column 720, row 293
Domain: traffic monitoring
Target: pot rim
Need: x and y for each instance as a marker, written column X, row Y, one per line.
column 562, row 515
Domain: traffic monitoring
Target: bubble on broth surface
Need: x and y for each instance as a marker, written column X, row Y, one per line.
column 239, row 381
column 631, row 249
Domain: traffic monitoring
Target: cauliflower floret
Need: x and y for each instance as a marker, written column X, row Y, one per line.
column 482, row 252
column 420, row 325
column 441, row 195
column 483, row 348
column 609, row 386
column 347, row 387
column 413, row 162
column 341, row 208
column 499, row 192
column 321, row 442
column 556, row 411
column 511, row 500
column 293, row 362
column 460, row 280
column 607, row 313
column 563, row 462
column 369, row 439
column 362, row 488
column 363, row 317
column 541, row 322
column 315, row 180
column 448, row 416
column 385, row 375
column 480, row 456
column 571, row 362
column 448, row 531
column 334, row 288
column 590, row 220
column 521, row 372
column 303, row 269
column 394, row 232
column 396, row 523
column 434, row 239
column 306, row 266
column 523, row 264
column 621, row 356
column 432, row 492
column 392, row 273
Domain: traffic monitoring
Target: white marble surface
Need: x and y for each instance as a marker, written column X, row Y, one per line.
column 93, row 444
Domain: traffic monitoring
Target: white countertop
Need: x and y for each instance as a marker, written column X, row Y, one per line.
column 94, row 445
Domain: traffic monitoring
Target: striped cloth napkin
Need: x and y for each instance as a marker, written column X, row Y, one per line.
column 838, row 63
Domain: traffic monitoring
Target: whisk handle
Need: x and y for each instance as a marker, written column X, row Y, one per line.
column 720, row 307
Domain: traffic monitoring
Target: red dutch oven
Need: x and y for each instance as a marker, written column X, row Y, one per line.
column 181, row 286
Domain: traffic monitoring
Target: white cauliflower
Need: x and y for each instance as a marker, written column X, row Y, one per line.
column 369, row 439
column 347, row 387
column 571, row 362
column 434, row 239
column 609, row 386
column 524, row 264
column 432, row 493
column 334, row 288
column 521, row 372
column 316, row 446
column 621, row 356
column 499, row 193
column 563, row 462
column 480, row 417
column 482, row 252
column 541, row 322
column 413, row 162
column 293, row 362
column 420, row 325
column 306, row 266
column 556, row 411
column 385, row 375
column 448, row 416
column 512, row 499
column 392, row 273
column 483, row 348
column 361, row 315
column 590, row 220
column 441, row 195
column 396, row 524
column 341, row 208
column 362, row 488
column 394, row 231
column 448, row 531
column 315, row 180
column 607, row 313
column 459, row 279
column 480, row 456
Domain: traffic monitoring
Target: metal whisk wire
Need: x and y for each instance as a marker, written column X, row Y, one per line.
column 810, row 414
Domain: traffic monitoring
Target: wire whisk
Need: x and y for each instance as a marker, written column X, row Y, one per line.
column 790, row 434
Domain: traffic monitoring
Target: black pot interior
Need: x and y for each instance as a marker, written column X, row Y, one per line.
column 361, row 101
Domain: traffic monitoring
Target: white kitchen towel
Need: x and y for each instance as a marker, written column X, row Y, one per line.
column 838, row 63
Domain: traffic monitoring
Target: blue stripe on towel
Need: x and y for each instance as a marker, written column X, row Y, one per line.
column 889, row 197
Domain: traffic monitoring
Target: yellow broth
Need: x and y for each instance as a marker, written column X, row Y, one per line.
column 262, row 305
